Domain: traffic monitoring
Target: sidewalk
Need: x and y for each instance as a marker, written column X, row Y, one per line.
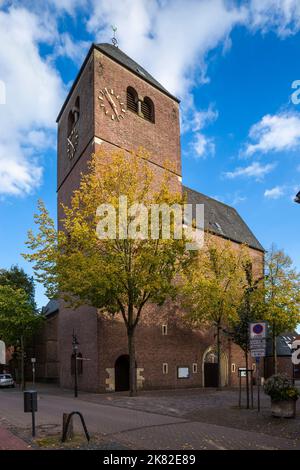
column 10, row 442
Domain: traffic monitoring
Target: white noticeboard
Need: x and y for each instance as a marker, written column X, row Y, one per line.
column 2, row 352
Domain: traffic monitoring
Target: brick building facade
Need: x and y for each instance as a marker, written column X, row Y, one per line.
column 115, row 104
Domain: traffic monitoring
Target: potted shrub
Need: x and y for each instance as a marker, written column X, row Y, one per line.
column 283, row 396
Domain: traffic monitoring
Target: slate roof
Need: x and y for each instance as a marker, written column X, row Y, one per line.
column 222, row 220
column 283, row 343
column 51, row 307
column 119, row 56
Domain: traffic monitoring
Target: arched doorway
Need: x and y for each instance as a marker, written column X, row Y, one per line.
column 210, row 368
column 122, row 373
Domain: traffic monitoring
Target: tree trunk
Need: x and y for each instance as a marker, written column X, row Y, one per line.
column 132, row 367
column 275, row 367
column 219, row 354
column 247, row 381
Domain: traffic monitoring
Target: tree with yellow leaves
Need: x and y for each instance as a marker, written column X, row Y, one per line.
column 213, row 287
column 102, row 258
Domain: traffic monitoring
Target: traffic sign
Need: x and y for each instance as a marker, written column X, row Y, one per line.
column 258, row 340
column 258, row 330
column 258, row 345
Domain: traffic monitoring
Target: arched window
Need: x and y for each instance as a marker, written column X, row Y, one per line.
column 132, row 99
column 148, row 109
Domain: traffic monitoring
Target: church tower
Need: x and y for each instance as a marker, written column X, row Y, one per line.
column 114, row 104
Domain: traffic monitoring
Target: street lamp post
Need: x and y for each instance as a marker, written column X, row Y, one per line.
column 75, row 351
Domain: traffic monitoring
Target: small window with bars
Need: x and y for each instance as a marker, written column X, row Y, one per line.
column 147, row 109
column 165, row 368
column 233, row 368
column 164, row 330
column 132, row 99
column 195, row 368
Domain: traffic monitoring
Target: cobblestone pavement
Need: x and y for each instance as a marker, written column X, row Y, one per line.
column 189, row 419
column 203, row 436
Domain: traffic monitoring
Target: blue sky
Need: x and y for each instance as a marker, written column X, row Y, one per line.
column 232, row 64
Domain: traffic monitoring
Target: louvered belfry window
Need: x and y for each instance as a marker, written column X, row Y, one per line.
column 132, row 99
column 148, row 109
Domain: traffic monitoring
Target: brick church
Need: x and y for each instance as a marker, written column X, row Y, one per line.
column 115, row 103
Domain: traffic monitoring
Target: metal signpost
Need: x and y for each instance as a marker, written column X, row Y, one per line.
column 75, row 345
column 33, row 361
column 243, row 372
column 258, row 339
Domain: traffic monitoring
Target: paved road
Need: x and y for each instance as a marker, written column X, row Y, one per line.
column 137, row 429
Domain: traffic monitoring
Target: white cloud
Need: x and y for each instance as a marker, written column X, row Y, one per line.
column 68, row 47
column 57, row 6
column 18, row 173
column 281, row 16
column 203, row 146
column 275, row 133
column 34, row 92
column 170, row 38
column 68, row 5
column 237, row 199
column 255, row 170
column 203, row 117
column 274, row 193
column 176, row 35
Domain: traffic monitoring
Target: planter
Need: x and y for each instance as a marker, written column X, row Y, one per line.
column 283, row 408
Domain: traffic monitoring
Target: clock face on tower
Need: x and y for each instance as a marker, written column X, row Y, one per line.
column 72, row 143
column 112, row 104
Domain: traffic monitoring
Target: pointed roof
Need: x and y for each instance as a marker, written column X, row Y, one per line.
column 123, row 59
column 223, row 220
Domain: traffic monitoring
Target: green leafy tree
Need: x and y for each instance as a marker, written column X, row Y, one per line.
column 249, row 310
column 16, row 277
column 116, row 275
column 18, row 319
column 282, row 296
